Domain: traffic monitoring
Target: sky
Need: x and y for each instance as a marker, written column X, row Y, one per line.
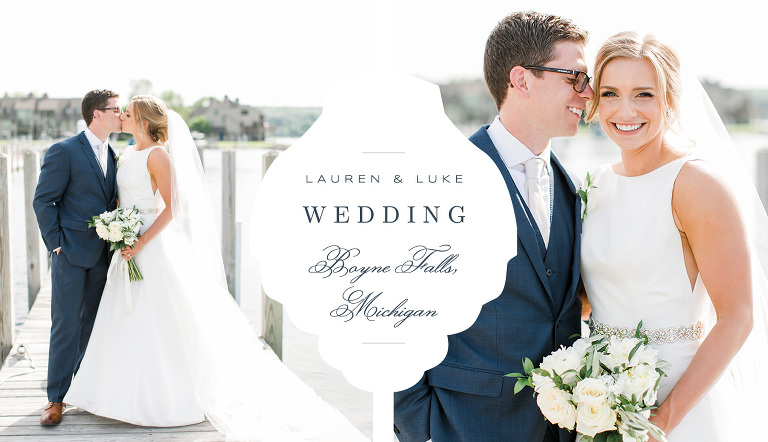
column 286, row 52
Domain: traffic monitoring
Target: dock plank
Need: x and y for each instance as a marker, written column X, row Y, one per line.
column 23, row 397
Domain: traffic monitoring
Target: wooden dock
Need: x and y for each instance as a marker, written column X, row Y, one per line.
column 23, row 397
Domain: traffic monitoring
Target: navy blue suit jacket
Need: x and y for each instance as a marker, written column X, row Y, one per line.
column 71, row 190
column 466, row 397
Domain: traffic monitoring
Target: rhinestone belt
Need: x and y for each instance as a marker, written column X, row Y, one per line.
column 664, row 335
column 148, row 211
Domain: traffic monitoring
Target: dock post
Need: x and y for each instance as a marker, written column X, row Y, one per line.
column 6, row 273
column 200, row 153
column 271, row 310
column 31, row 175
column 228, row 237
column 762, row 176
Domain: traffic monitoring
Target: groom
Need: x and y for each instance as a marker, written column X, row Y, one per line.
column 535, row 70
column 77, row 181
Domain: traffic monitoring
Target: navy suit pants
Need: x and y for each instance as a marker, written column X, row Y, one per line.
column 75, row 297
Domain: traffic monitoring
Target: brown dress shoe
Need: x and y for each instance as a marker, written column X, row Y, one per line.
column 52, row 413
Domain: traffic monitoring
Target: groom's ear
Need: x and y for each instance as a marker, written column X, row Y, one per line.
column 517, row 81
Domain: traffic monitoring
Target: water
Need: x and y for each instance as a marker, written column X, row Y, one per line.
column 300, row 353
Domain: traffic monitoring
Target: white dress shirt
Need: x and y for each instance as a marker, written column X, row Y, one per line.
column 515, row 154
column 95, row 141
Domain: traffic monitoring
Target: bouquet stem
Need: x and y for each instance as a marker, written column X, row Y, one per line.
column 133, row 271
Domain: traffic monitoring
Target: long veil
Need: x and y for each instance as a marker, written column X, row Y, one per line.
column 245, row 391
column 190, row 205
column 699, row 122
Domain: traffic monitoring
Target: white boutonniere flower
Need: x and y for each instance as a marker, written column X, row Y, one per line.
column 588, row 200
column 119, row 159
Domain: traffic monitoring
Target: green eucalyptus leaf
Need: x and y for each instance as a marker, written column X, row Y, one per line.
column 634, row 350
column 519, row 385
column 527, row 365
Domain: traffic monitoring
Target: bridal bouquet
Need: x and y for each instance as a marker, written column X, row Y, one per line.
column 120, row 228
column 604, row 387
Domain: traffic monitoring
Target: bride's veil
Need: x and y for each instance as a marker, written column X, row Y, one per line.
column 699, row 121
column 190, row 204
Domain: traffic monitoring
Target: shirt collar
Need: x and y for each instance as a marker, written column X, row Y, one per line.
column 92, row 138
column 512, row 151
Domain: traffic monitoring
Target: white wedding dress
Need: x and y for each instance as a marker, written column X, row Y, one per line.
column 182, row 352
column 633, row 269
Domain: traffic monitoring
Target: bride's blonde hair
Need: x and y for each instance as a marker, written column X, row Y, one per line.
column 661, row 56
column 154, row 111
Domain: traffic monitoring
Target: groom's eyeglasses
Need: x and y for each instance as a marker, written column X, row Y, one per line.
column 580, row 80
column 116, row 109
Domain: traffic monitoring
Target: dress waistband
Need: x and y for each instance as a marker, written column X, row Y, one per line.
column 148, row 211
column 663, row 335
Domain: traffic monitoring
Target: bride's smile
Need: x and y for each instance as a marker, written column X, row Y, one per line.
column 629, row 109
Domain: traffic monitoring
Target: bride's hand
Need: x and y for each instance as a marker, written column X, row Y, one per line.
column 128, row 252
column 660, row 418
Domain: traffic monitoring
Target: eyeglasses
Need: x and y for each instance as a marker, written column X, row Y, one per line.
column 117, row 110
column 580, row 81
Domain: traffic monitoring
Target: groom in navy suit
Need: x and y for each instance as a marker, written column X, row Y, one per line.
column 535, row 70
column 77, row 181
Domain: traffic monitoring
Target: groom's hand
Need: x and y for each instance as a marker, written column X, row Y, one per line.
column 57, row 250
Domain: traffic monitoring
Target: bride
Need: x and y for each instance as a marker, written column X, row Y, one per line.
column 673, row 237
column 173, row 349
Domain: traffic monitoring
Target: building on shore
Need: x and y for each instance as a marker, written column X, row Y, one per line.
column 230, row 120
column 38, row 117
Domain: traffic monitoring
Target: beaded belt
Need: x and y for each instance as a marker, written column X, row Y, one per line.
column 657, row 336
column 148, row 211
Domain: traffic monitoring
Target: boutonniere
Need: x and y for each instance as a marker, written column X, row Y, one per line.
column 119, row 159
column 588, row 200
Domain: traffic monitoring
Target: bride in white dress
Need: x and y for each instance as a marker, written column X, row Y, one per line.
column 173, row 349
column 667, row 240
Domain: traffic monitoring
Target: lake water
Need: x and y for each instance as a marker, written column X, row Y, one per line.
column 300, row 350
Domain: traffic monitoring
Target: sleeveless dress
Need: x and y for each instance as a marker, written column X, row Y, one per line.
column 156, row 364
column 633, row 269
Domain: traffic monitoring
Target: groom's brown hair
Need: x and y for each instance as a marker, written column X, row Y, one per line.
column 524, row 39
column 93, row 100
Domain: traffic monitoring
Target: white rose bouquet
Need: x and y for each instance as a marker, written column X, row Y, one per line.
column 120, row 228
column 603, row 387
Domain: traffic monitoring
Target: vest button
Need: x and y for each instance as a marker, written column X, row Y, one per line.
column 550, row 272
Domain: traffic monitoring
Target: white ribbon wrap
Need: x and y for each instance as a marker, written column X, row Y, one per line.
column 120, row 265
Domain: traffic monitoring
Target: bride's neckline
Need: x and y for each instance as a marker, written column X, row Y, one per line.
column 613, row 171
column 146, row 148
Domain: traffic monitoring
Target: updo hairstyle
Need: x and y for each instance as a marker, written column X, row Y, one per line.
column 662, row 57
column 154, row 111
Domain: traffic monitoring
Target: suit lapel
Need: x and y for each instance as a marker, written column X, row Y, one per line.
column 576, row 266
column 112, row 172
column 525, row 230
column 91, row 157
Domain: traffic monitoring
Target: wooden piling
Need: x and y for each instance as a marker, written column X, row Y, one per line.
column 200, row 153
column 228, row 236
column 762, row 176
column 6, row 272
column 31, row 175
column 271, row 310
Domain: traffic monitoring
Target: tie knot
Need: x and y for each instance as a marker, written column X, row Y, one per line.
column 533, row 168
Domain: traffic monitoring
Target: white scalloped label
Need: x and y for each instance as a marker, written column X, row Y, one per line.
column 388, row 230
